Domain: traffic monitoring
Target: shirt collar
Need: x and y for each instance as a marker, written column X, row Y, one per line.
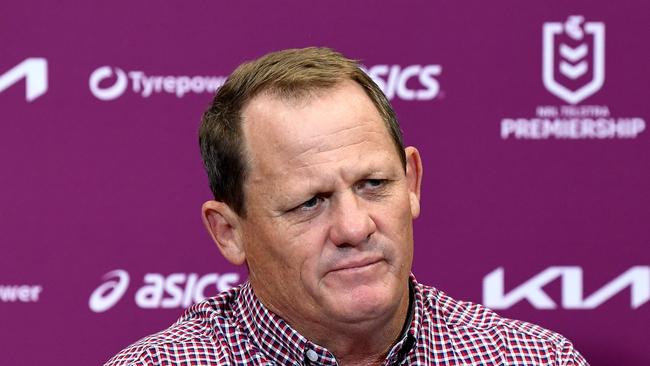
column 414, row 320
column 280, row 342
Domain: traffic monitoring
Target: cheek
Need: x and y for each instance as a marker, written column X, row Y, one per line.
column 264, row 248
column 308, row 245
column 294, row 250
column 394, row 227
column 393, row 216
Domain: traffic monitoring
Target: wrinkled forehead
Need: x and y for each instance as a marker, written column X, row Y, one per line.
column 279, row 127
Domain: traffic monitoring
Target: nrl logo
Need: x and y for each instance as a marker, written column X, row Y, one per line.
column 573, row 65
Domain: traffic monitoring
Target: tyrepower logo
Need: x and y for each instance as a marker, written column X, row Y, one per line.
column 20, row 293
column 637, row 279
column 108, row 83
column 107, row 92
column 414, row 82
column 573, row 69
column 176, row 290
column 34, row 71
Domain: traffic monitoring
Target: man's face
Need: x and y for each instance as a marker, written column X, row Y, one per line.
column 328, row 231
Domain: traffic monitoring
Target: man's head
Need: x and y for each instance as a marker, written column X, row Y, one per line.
column 326, row 224
column 290, row 74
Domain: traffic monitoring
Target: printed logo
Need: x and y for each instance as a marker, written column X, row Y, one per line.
column 414, row 82
column 572, row 62
column 20, row 293
column 34, row 71
column 573, row 69
column 146, row 85
column 111, row 92
column 110, row 292
column 637, row 278
column 176, row 290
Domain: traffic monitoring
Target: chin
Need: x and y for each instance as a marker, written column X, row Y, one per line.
column 363, row 303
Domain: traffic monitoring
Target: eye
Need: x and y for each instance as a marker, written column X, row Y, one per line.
column 310, row 204
column 374, row 188
column 372, row 183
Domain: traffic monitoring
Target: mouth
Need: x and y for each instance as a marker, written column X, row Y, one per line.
column 355, row 265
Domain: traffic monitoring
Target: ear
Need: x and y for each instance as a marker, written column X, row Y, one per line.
column 413, row 178
column 223, row 225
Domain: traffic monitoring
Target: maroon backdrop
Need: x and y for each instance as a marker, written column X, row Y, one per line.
column 530, row 117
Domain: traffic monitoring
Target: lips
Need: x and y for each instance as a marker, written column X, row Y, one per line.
column 350, row 265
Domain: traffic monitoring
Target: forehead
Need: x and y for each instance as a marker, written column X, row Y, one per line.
column 326, row 126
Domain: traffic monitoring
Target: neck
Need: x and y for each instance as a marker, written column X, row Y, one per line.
column 364, row 342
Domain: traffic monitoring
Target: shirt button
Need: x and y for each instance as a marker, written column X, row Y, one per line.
column 312, row 356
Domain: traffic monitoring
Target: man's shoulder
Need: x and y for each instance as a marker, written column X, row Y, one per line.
column 476, row 317
column 472, row 326
column 201, row 333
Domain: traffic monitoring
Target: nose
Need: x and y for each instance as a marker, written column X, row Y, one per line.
column 351, row 221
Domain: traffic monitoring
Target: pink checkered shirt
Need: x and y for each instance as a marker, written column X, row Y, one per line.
column 234, row 328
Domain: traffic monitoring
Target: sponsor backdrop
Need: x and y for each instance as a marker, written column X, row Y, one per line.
column 531, row 118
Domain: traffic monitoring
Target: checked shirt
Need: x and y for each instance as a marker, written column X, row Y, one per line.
column 234, row 328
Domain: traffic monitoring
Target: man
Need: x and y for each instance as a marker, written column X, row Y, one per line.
column 316, row 194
